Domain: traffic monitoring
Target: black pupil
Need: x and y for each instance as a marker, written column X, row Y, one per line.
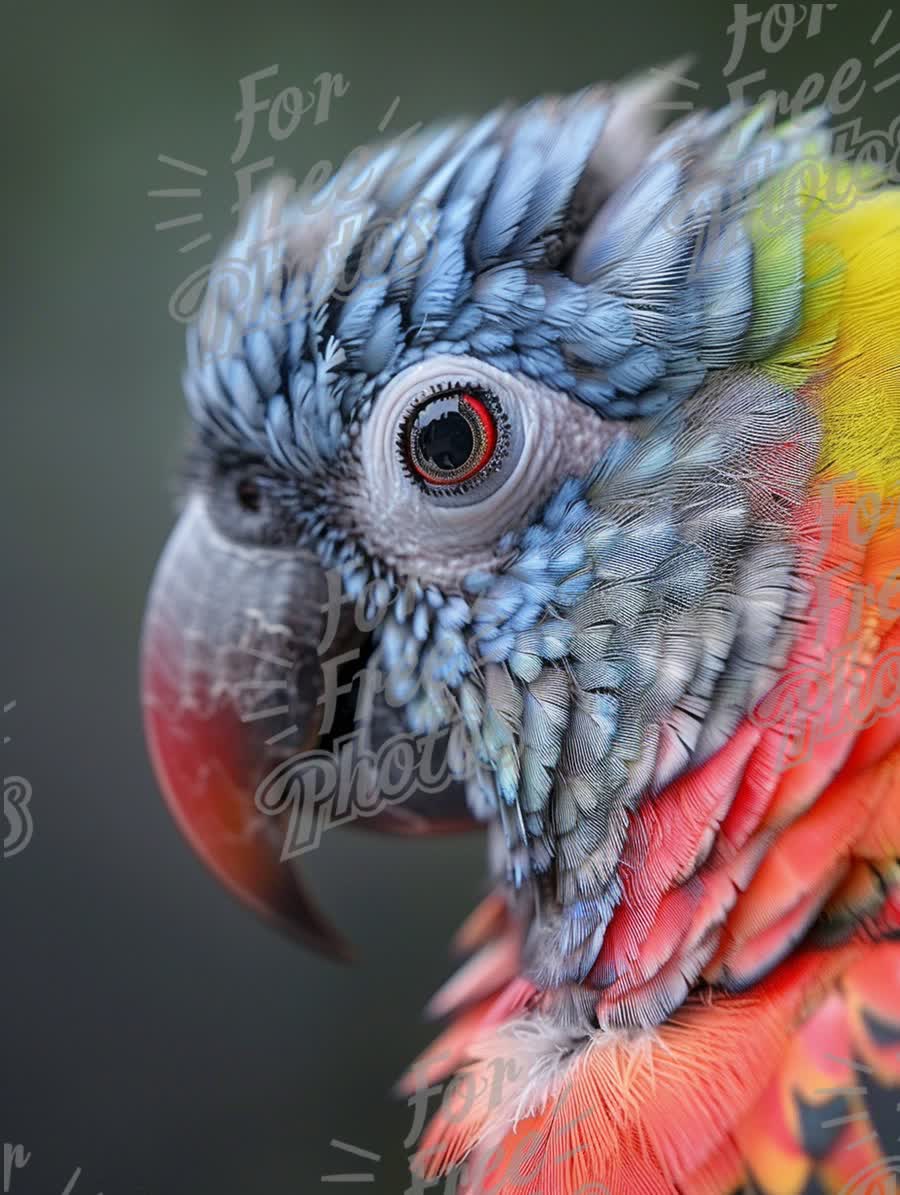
column 446, row 443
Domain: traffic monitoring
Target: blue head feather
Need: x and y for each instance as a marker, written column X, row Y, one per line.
column 499, row 239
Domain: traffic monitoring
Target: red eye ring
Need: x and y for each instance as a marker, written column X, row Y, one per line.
column 451, row 437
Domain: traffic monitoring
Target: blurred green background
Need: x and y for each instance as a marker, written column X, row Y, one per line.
column 154, row 1034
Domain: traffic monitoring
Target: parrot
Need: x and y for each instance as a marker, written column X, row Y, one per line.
column 541, row 480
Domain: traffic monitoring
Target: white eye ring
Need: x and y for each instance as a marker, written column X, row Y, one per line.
column 439, row 533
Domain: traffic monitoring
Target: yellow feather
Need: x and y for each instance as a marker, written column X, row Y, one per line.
column 848, row 346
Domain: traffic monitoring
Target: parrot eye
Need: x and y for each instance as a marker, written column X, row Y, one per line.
column 453, row 454
column 453, row 436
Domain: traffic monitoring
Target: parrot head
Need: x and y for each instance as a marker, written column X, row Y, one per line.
column 490, row 501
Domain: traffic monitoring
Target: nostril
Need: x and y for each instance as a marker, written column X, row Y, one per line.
column 249, row 496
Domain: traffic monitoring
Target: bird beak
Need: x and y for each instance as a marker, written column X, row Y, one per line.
column 234, row 697
column 231, row 683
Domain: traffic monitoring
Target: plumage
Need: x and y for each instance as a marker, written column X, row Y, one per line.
column 656, row 625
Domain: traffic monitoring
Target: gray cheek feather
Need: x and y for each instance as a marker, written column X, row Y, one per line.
column 600, row 630
column 635, row 624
